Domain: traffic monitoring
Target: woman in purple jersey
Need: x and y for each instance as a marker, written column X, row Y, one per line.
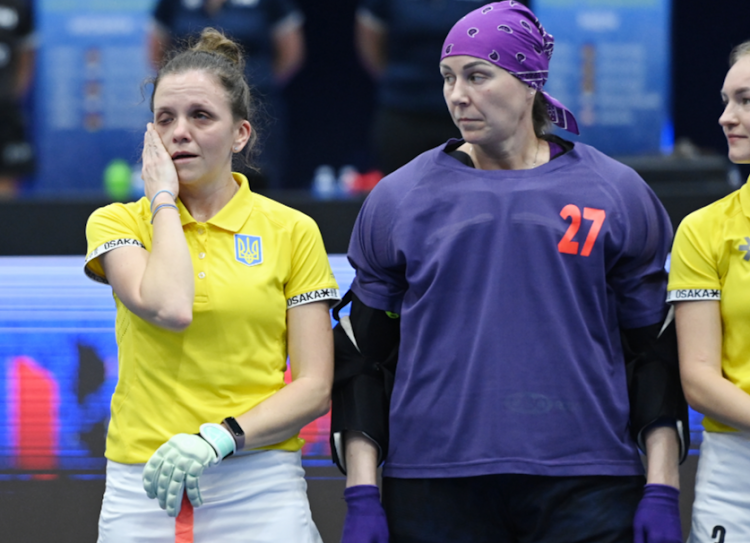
column 519, row 281
column 708, row 283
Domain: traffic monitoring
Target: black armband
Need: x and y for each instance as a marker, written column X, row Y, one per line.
column 365, row 355
column 654, row 387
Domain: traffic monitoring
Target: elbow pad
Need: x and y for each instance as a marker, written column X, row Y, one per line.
column 365, row 355
column 654, row 386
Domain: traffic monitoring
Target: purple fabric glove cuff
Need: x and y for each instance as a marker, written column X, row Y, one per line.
column 365, row 518
column 657, row 519
column 360, row 493
column 663, row 493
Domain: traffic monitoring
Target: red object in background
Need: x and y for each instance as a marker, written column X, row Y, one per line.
column 364, row 182
column 34, row 416
column 316, row 433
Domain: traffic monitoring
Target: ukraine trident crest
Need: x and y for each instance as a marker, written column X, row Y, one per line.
column 248, row 249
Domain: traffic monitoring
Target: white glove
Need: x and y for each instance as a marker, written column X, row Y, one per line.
column 178, row 464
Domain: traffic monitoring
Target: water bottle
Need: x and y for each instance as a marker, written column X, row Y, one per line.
column 117, row 180
column 347, row 180
column 324, row 182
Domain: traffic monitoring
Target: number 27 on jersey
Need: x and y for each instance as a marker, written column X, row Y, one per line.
column 573, row 212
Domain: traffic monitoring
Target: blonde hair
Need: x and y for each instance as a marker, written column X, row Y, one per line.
column 739, row 51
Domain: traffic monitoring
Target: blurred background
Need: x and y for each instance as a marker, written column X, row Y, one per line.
column 642, row 76
column 342, row 83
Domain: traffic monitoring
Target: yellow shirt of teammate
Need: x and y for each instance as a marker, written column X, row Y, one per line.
column 711, row 261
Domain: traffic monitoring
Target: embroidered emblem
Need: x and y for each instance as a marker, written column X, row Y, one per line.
column 248, row 249
column 746, row 248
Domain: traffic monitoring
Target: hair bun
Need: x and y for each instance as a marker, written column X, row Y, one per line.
column 214, row 41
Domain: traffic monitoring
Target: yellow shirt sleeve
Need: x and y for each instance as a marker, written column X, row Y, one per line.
column 311, row 278
column 108, row 228
column 694, row 267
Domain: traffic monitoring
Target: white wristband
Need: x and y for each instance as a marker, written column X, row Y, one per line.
column 219, row 438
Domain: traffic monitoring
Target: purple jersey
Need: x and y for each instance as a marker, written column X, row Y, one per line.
column 512, row 288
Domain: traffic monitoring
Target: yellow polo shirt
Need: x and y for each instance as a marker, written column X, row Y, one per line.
column 252, row 261
column 711, row 261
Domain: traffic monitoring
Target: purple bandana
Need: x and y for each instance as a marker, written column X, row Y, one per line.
column 510, row 36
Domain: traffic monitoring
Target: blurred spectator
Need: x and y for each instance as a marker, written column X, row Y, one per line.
column 397, row 43
column 16, row 72
column 271, row 35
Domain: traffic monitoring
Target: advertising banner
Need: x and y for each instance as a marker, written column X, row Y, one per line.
column 611, row 67
column 90, row 108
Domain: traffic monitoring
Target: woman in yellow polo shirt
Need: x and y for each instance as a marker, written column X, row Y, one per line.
column 709, row 284
column 214, row 287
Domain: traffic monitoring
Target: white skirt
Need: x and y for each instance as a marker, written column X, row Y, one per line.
column 721, row 510
column 259, row 497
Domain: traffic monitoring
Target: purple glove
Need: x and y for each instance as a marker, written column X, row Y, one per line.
column 657, row 519
column 365, row 519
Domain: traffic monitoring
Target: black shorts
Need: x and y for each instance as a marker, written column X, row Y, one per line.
column 512, row 508
column 16, row 153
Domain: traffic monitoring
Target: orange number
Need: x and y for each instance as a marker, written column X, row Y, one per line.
column 567, row 245
column 597, row 216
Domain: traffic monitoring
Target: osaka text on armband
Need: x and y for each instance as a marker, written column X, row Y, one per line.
column 113, row 244
column 105, row 248
column 693, row 294
column 313, row 296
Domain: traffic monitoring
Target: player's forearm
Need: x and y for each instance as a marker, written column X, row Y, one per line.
column 289, row 54
column 361, row 460
column 283, row 414
column 700, row 338
column 168, row 287
column 25, row 73
column 370, row 42
column 308, row 396
column 662, row 456
column 158, row 43
column 713, row 395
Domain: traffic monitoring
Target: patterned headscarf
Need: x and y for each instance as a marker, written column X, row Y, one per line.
column 510, row 36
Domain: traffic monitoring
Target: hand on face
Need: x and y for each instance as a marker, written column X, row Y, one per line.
column 158, row 170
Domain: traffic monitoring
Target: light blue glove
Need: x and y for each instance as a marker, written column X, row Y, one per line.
column 178, row 464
